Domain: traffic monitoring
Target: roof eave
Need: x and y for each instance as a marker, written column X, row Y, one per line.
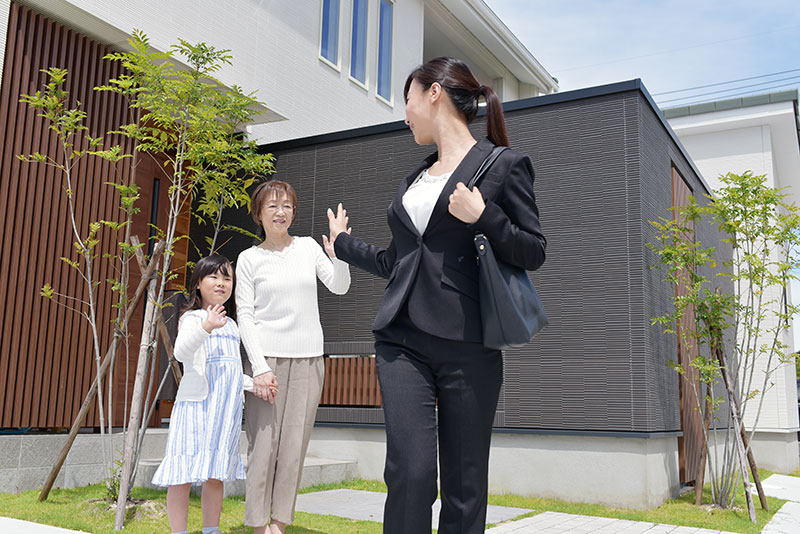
column 479, row 19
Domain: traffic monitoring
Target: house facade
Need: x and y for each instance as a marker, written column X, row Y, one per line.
column 322, row 65
column 589, row 410
column 759, row 133
column 319, row 66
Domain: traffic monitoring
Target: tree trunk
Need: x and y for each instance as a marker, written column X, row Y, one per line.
column 87, row 401
column 136, row 405
column 740, row 448
column 701, row 474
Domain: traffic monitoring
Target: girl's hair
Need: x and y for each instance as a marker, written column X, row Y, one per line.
column 464, row 91
column 205, row 267
column 267, row 190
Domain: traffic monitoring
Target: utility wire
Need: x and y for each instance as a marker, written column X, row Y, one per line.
column 732, row 89
column 744, row 93
column 725, row 83
column 699, row 45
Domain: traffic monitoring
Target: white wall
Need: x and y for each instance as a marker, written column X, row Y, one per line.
column 275, row 47
column 629, row 472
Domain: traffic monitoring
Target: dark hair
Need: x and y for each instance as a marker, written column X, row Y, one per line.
column 464, row 91
column 262, row 193
column 205, row 267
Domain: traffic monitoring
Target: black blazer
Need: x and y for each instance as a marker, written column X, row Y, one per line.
column 436, row 273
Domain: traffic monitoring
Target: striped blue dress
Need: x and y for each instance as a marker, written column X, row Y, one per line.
column 203, row 439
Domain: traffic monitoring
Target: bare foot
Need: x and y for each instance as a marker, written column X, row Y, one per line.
column 276, row 527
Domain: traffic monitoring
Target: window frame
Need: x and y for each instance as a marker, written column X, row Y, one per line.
column 336, row 66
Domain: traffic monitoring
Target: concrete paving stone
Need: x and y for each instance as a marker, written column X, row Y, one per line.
column 17, row 526
column 638, row 528
column 40, row 450
column 785, row 521
column 782, row 487
column 9, row 451
column 368, row 506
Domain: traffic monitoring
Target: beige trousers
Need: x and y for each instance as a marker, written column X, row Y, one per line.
column 277, row 436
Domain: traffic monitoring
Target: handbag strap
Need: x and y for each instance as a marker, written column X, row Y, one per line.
column 493, row 155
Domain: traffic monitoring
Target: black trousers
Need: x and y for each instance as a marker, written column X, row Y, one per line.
column 416, row 371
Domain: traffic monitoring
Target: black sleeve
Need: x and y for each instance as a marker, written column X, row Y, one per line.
column 375, row 260
column 512, row 225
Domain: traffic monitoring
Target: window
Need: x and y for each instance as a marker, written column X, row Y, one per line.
column 358, row 46
column 385, row 49
column 329, row 33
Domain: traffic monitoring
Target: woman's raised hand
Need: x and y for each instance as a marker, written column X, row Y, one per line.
column 216, row 318
column 336, row 224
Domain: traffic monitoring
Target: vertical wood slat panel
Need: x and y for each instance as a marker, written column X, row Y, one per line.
column 12, row 214
column 690, row 444
column 46, row 355
column 39, row 227
column 350, row 381
column 5, row 167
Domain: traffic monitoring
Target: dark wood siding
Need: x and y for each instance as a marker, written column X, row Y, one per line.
column 46, row 357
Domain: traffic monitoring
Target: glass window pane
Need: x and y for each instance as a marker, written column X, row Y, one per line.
column 385, row 50
column 329, row 40
column 358, row 48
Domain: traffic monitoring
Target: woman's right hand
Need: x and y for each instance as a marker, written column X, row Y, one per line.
column 336, row 225
column 265, row 386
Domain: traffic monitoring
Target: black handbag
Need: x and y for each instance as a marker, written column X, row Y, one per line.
column 511, row 310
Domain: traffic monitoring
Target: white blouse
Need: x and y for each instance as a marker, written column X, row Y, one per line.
column 420, row 198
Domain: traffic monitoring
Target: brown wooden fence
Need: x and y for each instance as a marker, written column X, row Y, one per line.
column 46, row 356
column 351, row 381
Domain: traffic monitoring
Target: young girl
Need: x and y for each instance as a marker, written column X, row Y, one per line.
column 203, row 441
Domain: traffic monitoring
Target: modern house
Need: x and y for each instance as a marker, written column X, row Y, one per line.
column 319, row 66
column 589, row 410
column 759, row 133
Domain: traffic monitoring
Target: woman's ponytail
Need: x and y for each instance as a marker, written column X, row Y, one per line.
column 495, row 121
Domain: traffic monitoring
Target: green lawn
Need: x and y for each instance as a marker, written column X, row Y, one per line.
column 75, row 509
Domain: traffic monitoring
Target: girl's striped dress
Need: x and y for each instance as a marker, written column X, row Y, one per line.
column 203, row 439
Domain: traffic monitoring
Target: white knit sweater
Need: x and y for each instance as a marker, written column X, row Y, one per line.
column 276, row 299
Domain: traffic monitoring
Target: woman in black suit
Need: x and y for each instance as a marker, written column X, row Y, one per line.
column 428, row 327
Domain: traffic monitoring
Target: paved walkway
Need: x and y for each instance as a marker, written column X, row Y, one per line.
column 368, row 505
column 16, row 526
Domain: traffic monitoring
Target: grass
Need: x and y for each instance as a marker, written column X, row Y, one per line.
column 75, row 509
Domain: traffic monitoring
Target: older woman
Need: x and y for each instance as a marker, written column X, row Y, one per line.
column 276, row 297
column 437, row 379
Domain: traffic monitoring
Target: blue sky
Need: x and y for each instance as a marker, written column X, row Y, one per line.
column 669, row 44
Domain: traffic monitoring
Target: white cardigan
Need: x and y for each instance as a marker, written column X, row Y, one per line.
column 276, row 300
column 190, row 348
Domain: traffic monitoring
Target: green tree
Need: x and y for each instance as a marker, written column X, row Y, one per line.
column 74, row 144
column 194, row 123
column 762, row 232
